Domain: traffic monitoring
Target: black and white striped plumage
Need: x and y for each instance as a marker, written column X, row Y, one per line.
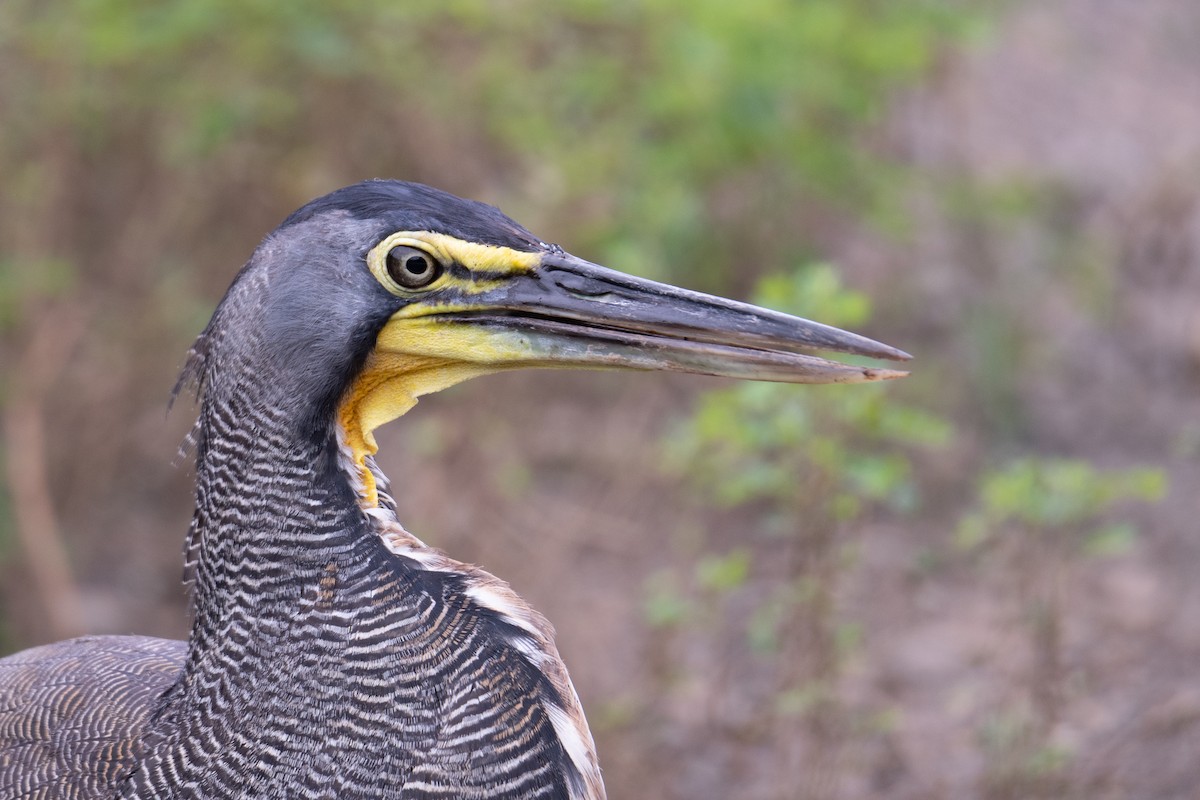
column 332, row 654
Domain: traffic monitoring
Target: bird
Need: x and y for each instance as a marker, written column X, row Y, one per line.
column 333, row 654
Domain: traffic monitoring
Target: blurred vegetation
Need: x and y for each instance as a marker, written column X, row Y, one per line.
column 1059, row 497
column 147, row 146
column 1041, row 516
column 831, row 451
column 667, row 139
column 808, row 466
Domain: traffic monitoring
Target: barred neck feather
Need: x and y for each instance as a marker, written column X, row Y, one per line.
column 332, row 653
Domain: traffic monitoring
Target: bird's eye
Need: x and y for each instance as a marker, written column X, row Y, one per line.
column 412, row 268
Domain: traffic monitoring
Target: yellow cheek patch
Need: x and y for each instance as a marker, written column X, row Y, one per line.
column 421, row 308
column 435, row 338
column 475, row 257
column 413, row 358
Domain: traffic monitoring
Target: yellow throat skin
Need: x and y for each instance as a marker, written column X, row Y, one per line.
column 414, row 357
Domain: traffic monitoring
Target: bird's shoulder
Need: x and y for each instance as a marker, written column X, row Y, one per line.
column 507, row 661
column 71, row 712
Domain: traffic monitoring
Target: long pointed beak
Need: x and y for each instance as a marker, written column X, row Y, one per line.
column 570, row 312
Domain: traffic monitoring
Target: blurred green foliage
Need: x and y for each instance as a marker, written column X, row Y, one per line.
column 1020, row 760
column 688, row 135
column 807, row 454
column 1059, row 496
column 802, row 464
column 1039, row 516
column 24, row 284
column 806, row 462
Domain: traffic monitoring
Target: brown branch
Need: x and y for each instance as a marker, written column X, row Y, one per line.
column 44, row 357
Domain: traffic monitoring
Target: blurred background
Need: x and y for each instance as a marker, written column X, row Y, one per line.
column 979, row 582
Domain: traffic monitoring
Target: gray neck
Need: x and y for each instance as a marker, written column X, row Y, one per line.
column 283, row 562
column 324, row 663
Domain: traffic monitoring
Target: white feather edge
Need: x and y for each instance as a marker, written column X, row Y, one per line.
column 491, row 593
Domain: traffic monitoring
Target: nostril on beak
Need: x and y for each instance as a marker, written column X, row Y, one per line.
column 583, row 288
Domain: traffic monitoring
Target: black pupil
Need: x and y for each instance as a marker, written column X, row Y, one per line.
column 411, row 268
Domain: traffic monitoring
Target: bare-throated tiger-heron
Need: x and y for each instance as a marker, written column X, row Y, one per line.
column 333, row 654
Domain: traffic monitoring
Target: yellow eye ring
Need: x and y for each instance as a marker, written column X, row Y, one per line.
column 405, row 264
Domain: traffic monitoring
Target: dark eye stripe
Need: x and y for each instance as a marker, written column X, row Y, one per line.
column 462, row 273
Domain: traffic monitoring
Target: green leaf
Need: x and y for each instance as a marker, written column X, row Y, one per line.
column 723, row 573
column 972, row 531
column 665, row 604
column 1115, row 539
